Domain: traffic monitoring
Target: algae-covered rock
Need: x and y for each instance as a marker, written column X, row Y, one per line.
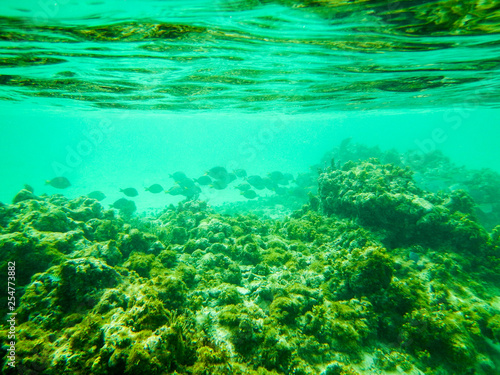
column 285, row 309
column 27, row 250
column 386, row 198
column 81, row 279
column 338, row 368
column 111, row 253
column 24, row 195
column 84, row 209
column 246, row 333
column 168, row 258
column 190, row 291
column 343, row 325
column 103, row 230
column 227, row 294
column 494, row 327
column 171, row 291
column 443, row 333
column 179, row 235
column 136, row 241
column 140, row 263
column 53, row 221
column 360, row 272
column 371, row 271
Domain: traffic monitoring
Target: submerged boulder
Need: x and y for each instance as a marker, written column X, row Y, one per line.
column 82, row 279
column 385, row 197
column 360, row 272
column 24, row 195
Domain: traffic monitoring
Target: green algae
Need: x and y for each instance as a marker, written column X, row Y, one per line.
column 421, row 18
column 385, row 197
column 329, row 290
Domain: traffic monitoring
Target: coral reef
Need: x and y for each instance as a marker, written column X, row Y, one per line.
column 386, row 198
column 373, row 275
column 433, row 172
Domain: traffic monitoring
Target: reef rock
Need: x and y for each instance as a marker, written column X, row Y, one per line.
column 385, row 198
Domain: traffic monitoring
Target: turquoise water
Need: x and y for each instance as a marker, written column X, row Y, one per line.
column 107, row 150
column 251, row 56
column 271, row 85
column 352, row 266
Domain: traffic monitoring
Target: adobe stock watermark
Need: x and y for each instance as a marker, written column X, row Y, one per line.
column 76, row 154
column 453, row 120
column 250, row 149
column 48, row 9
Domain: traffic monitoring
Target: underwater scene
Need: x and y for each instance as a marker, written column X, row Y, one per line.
column 250, row 187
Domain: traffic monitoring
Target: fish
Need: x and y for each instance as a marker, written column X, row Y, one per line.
column 29, row 188
column 194, row 192
column 124, row 205
column 177, row 176
column 187, row 183
column 58, row 182
column 249, row 194
column 204, row 180
column 244, row 186
column 97, row 195
column 219, row 184
column 269, row 183
column 130, row 192
column 175, row 190
column 240, row 173
column 219, row 173
column 414, row 256
column 155, row 188
column 120, row 203
column 283, row 181
column 297, row 192
column 256, row 181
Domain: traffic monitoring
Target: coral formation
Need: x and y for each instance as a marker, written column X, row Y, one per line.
column 373, row 275
column 385, row 197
